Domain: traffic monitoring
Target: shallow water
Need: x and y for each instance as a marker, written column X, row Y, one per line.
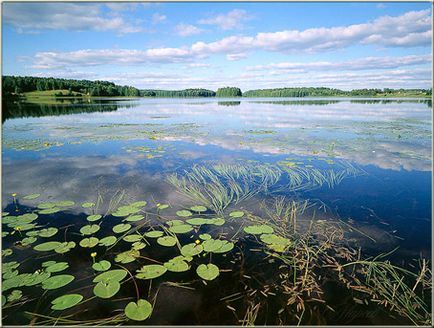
column 91, row 151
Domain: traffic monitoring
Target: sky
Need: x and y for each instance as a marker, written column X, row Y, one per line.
column 212, row 45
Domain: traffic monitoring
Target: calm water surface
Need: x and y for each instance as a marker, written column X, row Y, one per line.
column 91, row 152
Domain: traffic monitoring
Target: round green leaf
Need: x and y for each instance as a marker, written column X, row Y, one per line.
column 134, row 218
column 236, row 214
column 205, row 236
column 28, row 240
column 50, row 210
column 168, row 241
column 31, row 196
column 198, row 208
column 65, row 247
column 141, row 203
column 207, row 271
column 154, row 234
column 132, row 238
column 138, row 311
column 87, row 204
column 89, row 242
column 107, row 241
column 138, row 245
column 94, row 217
column 128, row 256
column 65, row 203
column 48, row 246
column 106, row 289
column 57, row 267
column 184, row 213
column 66, row 301
column 259, row 229
column 176, row 266
column 58, row 281
column 112, row 275
column 151, row 271
column 198, row 221
column 181, row 228
column 102, row 265
column 89, row 229
column 191, row 249
column 120, row 228
column 46, row 205
column 48, row 232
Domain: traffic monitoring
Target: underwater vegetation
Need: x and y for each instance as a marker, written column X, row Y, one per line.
column 280, row 263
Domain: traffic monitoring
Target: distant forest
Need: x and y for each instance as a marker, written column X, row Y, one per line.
column 17, row 85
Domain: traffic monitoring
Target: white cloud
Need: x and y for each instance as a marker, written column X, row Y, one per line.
column 368, row 63
column 158, row 18
column 235, row 57
column 187, row 30
column 31, row 17
column 232, row 20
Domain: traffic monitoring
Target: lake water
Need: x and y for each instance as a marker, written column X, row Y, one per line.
column 362, row 167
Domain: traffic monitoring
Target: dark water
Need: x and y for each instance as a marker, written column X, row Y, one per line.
column 88, row 151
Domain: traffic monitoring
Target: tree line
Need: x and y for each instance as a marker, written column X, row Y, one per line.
column 15, row 85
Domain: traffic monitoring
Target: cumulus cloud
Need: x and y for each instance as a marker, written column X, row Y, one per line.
column 187, row 30
column 367, row 63
column 31, row 17
column 229, row 21
column 408, row 30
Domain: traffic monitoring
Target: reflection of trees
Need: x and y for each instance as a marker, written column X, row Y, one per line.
column 229, row 103
column 20, row 109
column 299, row 102
column 428, row 102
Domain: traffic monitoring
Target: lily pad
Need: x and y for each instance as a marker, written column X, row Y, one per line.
column 46, row 205
column 28, row 241
column 162, row 206
column 191, row 249
column 172, row 223
column 176, row 266
column 89, row 229
column 50, row 210
column 134, row 218
column 138, row 245
column 48, row 263
column 154, row 234
column 199, row 208
column 167, row 241
column 94, row 217
column 87, row 204
column 226, row 247
column 57, row 267
column 138, row 311
column 141, row 203
column 276, row 243
column 112, row 275
column 65, row 247
column 198, row 221
column 218, row 221
column 236, row 214
column 58, row 281
column 47, row 232
column 34, row 278
column 132, row 238
column 106, row 289
column 15, row 295
column 65, row 203
column 122, row 227
column 66, row 301
column 151, row 271
column 205, row 236
column 107, row 241
column 259, row 229
column 208, row 271
column 184, row 213
column 31, row 196
column 181, row 228
column 89, row 242
column 102, row 265
column 48, row 246
column 128, row 256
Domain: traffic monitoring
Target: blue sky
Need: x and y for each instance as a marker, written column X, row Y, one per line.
column 210, row 45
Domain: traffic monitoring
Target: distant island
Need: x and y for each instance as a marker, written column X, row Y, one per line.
column 30, row 87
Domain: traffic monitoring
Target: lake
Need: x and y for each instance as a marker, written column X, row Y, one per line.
column 217, row 211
